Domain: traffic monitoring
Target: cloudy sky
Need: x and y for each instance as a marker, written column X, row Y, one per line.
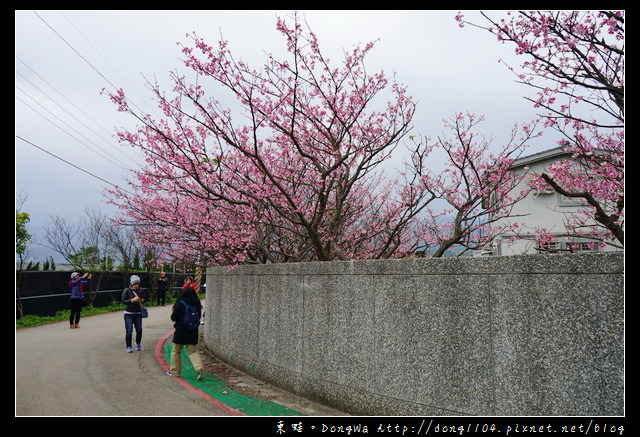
column 65, row 153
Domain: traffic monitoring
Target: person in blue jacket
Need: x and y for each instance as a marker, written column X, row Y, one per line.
column 77, row 285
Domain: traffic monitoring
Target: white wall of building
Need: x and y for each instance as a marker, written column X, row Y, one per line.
column 538, row 210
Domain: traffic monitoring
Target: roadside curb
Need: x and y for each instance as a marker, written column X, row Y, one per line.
column 160, row 357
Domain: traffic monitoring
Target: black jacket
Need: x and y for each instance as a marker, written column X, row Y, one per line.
column 182, row 335
column 127, row 295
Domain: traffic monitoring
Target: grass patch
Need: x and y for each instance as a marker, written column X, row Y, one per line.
column 31, row 320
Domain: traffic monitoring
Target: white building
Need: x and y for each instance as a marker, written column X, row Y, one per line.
column 541, row 210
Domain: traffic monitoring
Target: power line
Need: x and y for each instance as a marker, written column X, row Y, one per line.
column 103, row 58
column 82, row 57
column 94, row 151
column 71, row 164
column 119, row 149
column 78, row 53
column 56, row 103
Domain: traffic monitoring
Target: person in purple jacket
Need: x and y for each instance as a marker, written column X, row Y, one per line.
column 76, row 287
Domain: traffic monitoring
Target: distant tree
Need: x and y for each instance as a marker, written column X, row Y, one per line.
column 476, row 184
column 49, row 264
column 23, row 237
column 86, row 258
column 33, row 266
column 86, row 245
column 61, row 235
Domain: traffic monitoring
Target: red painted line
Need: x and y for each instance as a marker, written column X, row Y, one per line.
column 165, row 367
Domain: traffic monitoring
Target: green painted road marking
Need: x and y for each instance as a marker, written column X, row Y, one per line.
column 221, row 392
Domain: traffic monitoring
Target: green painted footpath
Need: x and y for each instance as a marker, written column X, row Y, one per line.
column 216, row 391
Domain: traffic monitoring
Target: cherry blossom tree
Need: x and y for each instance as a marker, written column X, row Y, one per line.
column 292, row 183
column 477, row 186
column 301, row 177
column 575, row 64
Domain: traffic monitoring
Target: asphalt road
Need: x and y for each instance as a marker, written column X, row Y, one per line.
column 86, row 371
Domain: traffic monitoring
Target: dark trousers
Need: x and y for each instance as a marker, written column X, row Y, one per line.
column 76, row 309
column 131, row 321
column 161, row 296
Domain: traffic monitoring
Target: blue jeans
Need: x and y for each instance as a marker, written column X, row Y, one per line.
column 131, row 320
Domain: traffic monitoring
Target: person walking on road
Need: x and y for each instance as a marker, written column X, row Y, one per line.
column 183, row 336
column 132, row 298
column 77, row 285
column 163, row 283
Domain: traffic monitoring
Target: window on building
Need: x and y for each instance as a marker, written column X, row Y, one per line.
column 583, row 246
column 550, row 247
column 566, row 247
column 571, row 201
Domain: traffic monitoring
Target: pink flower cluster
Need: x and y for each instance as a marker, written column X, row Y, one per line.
column 301, row 177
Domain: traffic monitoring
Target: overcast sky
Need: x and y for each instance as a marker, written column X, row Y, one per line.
column 65, row 153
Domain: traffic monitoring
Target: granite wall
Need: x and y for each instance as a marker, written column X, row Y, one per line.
column 490, row 336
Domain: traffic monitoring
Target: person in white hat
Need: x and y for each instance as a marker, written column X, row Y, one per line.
column 132, row 297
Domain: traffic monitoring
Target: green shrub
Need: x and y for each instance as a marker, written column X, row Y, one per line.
column 31, row 320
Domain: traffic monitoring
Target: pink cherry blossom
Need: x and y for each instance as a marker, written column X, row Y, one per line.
column 575, row 64
column 299, row 174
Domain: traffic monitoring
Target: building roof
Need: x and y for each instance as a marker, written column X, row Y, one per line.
column 540, row 156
